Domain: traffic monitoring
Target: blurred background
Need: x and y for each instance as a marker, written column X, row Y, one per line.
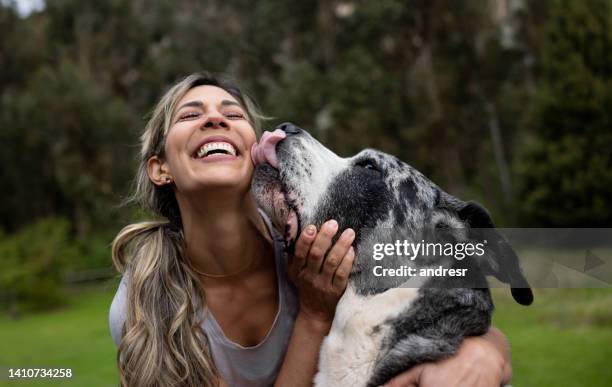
column 508, row 102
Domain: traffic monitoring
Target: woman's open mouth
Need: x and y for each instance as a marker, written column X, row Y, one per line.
column 216, row 148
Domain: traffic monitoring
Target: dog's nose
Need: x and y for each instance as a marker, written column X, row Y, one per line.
column 289, row 128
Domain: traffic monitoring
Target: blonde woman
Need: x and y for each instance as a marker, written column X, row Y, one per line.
column 205, row 297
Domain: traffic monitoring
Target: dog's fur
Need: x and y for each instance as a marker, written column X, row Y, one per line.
column 384, row 326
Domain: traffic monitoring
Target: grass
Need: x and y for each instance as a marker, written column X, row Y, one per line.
column 76, row 337
column 563, row 339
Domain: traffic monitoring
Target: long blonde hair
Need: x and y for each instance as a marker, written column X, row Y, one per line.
column 162, row 340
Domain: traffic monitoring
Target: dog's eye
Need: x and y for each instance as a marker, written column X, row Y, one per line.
column 368, row 164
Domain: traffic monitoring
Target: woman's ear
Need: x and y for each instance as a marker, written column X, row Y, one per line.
column 158, row 171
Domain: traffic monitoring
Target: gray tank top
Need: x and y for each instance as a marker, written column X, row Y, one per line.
column 239, row 366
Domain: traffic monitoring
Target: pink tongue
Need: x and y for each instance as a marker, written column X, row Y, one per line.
column 265, row 151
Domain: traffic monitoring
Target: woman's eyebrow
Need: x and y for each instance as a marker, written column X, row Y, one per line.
column 227, row 102
column 191, row 104
column 200, row 104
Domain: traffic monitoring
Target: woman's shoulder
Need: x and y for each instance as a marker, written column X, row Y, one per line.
column 118, row 311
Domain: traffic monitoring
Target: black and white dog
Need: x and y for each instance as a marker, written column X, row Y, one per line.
column 384, row 325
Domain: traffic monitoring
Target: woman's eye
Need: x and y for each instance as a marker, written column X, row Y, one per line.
column 234, row 116
column 187, row 116
column 194, row 115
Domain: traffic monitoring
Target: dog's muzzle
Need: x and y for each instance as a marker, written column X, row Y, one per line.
column 265, row 152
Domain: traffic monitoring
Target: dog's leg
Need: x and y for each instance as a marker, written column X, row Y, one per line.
column 410, row 351
column 432, row 330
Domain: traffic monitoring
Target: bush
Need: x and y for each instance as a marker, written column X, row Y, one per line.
column 33, row 263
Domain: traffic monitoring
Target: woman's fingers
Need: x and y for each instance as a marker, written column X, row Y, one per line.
column 406, row 379
column 320, row 246
column 337, row 252
column 302, row 247
column 317, row 291
column 313, row 254
column 341, row 275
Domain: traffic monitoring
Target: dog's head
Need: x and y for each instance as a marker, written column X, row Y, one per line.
column 298, row 181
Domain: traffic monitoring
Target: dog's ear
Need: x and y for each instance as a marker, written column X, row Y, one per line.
column 501, row 262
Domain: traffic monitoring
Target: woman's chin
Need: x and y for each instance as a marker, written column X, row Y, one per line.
column 223, row 173
column 223, row 180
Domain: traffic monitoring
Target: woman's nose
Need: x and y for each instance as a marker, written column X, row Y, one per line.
column 215, row 122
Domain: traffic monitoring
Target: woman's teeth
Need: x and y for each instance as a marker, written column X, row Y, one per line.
column 216, row 147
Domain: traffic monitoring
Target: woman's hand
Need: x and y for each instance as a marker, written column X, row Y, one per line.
column 319, row 272
column 482, row 361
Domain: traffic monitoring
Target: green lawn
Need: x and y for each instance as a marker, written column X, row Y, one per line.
column 564, row 339
column 74, row 337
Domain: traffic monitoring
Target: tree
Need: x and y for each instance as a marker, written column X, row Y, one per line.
column 66, row 138
column 565, row 168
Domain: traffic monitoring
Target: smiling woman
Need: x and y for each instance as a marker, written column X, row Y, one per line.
column 208, row 295
column 205, row 292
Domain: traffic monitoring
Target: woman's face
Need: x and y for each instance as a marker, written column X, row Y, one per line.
column 209, row 141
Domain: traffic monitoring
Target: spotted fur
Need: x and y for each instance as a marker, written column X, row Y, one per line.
column 384, row 326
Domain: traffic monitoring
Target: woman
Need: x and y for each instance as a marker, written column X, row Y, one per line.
column 204, row 298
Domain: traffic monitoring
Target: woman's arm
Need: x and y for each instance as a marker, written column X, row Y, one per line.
column 321, row 279
column 482, row 361
column 301, row 361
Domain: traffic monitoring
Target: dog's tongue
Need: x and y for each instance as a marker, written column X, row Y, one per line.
column 265, row 151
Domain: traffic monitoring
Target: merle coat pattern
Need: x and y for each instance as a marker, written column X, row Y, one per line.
column 385, row 326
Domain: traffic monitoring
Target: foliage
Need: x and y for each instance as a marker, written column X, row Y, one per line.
column 33, row 262
column 68, row 138
column 443, row 85
column 565, row 168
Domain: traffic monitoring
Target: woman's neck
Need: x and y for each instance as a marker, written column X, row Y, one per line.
column 225, row 236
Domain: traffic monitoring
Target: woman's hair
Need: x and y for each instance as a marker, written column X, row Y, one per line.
column 162, row 340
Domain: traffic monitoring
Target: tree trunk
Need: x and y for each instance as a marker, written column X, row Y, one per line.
column 498, row 152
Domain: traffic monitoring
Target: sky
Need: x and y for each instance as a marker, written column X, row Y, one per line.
column 25, row 7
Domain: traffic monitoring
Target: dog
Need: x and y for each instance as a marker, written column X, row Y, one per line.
column 385, row 325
